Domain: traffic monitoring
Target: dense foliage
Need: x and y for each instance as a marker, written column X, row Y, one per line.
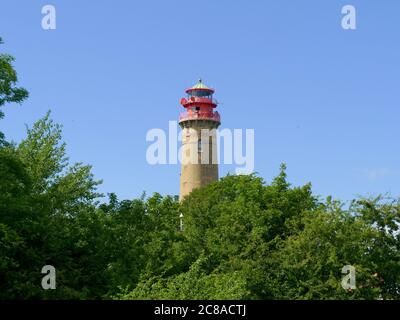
column 242, row 238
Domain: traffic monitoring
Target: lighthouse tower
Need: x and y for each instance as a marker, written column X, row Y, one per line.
column 199, row 142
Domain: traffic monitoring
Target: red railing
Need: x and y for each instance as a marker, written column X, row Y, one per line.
column 199, row 100
column 202, row 100
column 214, row 116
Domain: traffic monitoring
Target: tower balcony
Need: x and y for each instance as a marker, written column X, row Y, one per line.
column 193, row 115
column 199, row 101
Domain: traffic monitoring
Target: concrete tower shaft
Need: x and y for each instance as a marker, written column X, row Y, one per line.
column 199, row 139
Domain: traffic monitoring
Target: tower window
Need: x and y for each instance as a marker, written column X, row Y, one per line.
column 199, row 146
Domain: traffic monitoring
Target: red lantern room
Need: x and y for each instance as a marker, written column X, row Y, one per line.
column 199, row 104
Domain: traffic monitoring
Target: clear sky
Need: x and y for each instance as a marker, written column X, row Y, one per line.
column 322, row 99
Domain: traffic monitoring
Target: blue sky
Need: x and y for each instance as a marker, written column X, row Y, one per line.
column 321, row 99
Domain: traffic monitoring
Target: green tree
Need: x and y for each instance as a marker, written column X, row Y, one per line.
column 15, row 212
column 142, row 239
column 382, row 214
column 9, row 92
column 193, row 284
column 275, row 242
column 49, row 212
column 308, row 265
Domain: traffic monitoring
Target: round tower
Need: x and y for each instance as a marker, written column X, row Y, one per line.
column 199, row 140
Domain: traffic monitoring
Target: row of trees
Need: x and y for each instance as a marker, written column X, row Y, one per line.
column 242, row 238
